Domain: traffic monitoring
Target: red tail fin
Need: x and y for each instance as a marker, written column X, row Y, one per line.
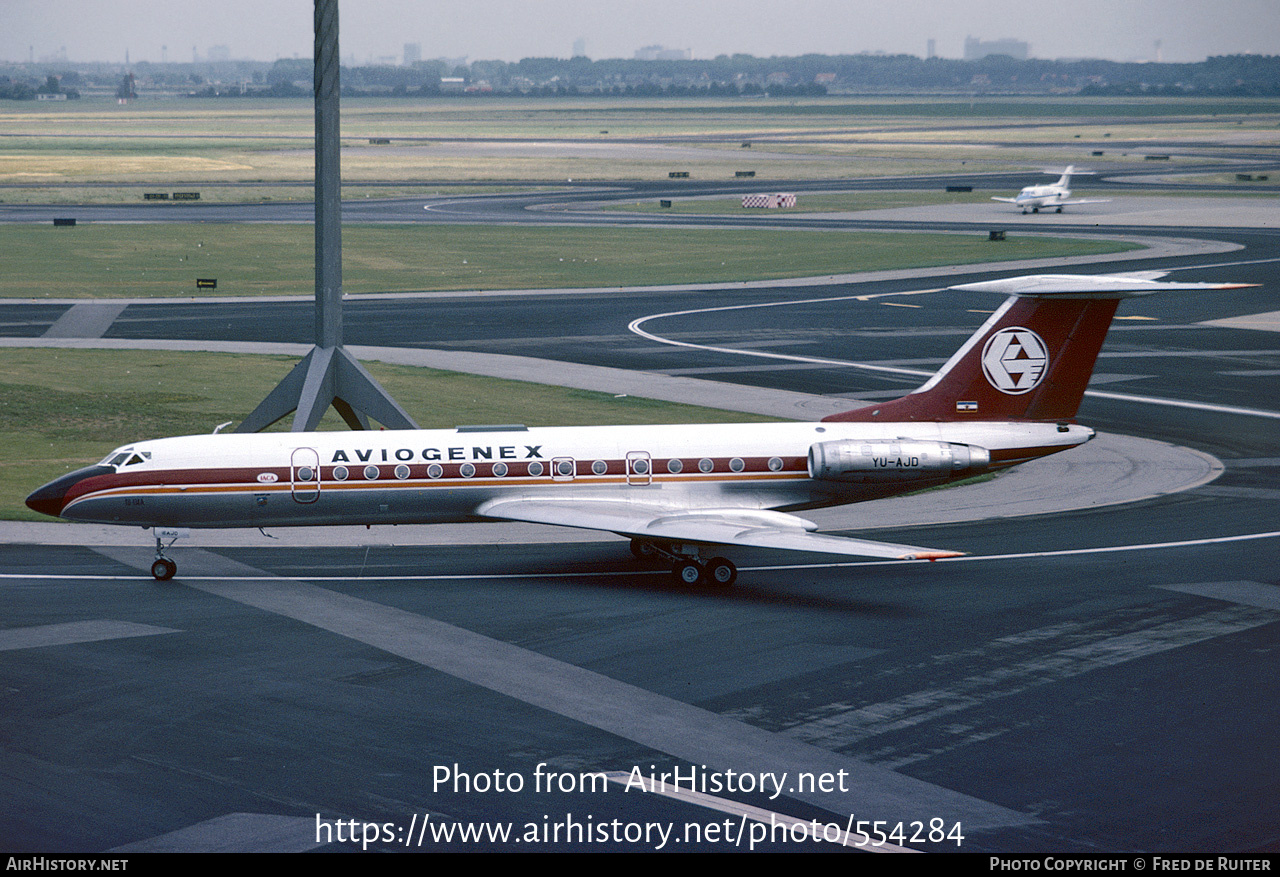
column 1031, row 360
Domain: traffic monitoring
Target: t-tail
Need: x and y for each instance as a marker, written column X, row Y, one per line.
column 1032, row 360
column 1065, row 179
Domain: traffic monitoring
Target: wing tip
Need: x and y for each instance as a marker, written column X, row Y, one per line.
column 931, row 554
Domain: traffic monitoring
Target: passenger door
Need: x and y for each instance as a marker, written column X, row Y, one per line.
column 304, row 475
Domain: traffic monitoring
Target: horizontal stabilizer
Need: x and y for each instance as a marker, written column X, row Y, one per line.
column 1032, row 359
column 1086, row 285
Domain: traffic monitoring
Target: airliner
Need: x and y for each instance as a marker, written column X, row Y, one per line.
column 1055, row 195
column 680, row 493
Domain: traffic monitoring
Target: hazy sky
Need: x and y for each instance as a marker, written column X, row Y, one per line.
column 1124, row 30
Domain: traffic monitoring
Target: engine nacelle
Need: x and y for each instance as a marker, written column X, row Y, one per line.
column 895, row 460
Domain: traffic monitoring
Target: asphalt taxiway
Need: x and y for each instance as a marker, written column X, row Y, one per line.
column 1094, row 676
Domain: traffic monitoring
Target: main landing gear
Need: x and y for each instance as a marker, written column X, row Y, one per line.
column 688, row 567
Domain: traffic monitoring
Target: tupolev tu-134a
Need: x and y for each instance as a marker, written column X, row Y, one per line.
column 680, row 493
column 1051, row 195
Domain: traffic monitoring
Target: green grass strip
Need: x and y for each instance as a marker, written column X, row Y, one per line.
column 141, row 261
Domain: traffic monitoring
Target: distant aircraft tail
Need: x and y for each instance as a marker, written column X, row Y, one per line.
column 1032, row 359
column 1065, row 179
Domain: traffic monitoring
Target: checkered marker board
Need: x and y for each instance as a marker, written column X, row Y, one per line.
column 769, row 200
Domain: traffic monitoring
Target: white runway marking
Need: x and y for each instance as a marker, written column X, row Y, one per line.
column 838, row 725
column 1062, row 552
column 969, row 558
column 635, row 325
column 661, row 723
column 801, row 827
column 73, row 632
column 234, row 833
column 1227, row 264
column 89, row 319
column 1268, row 322
column 1243, row 593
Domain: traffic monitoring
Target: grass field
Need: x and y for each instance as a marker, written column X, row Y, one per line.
column 185, row 139
column 233, row 193
column 181, row 117
column 138, row 261
column 63, row 409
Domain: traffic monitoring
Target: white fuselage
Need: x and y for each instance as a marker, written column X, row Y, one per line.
column 1042, row 196
column 434, row 476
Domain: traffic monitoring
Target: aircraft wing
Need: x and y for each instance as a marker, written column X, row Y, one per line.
column 1087, row 201
column 1005, row 200
column 745, row 527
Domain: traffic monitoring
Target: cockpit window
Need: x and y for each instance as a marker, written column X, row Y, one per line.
column 126, row 457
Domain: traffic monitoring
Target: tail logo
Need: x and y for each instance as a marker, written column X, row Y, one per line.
column 1014, row 360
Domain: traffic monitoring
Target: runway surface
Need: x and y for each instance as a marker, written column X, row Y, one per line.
column 1096, row 678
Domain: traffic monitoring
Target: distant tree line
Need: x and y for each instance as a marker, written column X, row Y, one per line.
column 11, row 89
column 802, row 75
column 795, row 76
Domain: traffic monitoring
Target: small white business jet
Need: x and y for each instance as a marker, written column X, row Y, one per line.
column 680, row 493
column 1054, row 195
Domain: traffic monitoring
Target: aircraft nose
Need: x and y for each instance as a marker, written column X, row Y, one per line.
column 51, row 499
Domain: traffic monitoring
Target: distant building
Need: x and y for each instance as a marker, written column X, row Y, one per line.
column 976, row 49
column 219, row 53
column 580, row 47
column 662, row 53
column 412, row 54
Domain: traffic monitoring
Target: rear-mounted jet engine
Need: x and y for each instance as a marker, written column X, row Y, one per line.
column 850, row 460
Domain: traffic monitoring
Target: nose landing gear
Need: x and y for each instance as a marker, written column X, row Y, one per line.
column 162, row 568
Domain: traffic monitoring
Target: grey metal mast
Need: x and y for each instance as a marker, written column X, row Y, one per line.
column 328, row 375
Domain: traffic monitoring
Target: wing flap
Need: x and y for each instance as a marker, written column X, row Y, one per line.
column 743, row 527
